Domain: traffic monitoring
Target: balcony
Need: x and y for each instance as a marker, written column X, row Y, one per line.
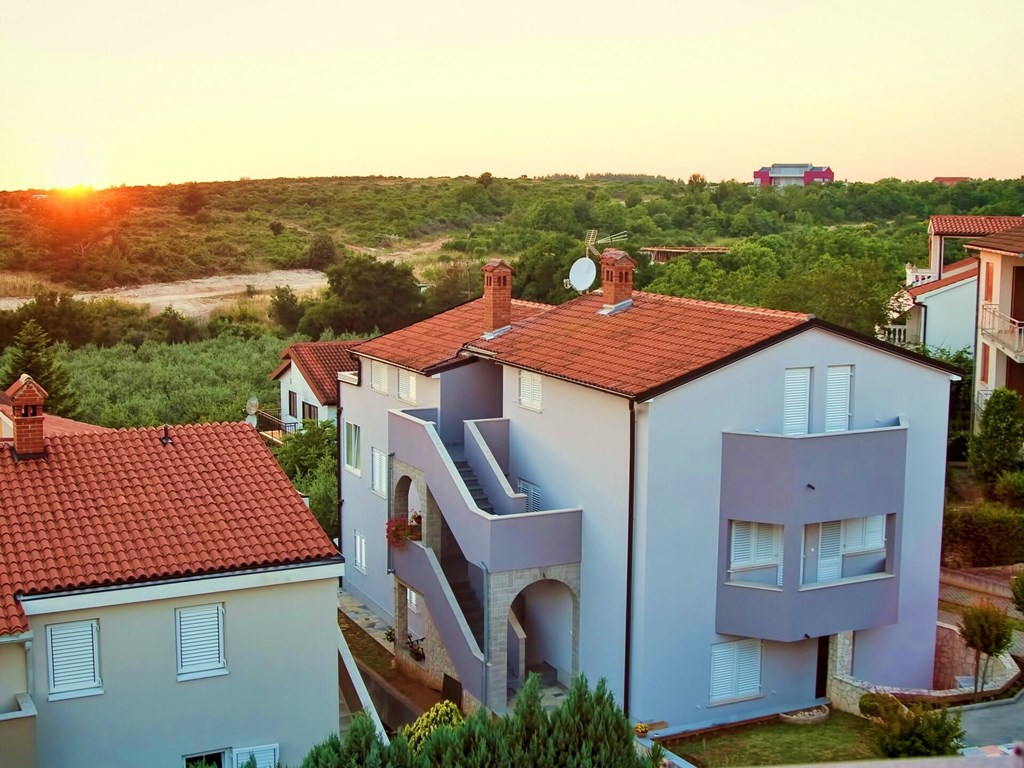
column 798, row 483
column 894, row 334
column 272, row 429
column 18, row 732
column 1003, row 331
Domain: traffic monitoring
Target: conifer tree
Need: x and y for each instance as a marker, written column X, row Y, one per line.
column 33, row 353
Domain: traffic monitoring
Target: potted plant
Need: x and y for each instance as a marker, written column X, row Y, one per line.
column 415, row 526
column 398, row 531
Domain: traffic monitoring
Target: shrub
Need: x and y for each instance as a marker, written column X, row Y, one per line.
column 881, row 705
column 1009, row 488
column 1017, row 588
column 919, row 732
column 444, row 714
column 986, row 630
column 984, row 536
column 996, row 447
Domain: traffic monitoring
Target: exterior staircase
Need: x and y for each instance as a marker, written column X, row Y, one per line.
column 473, row 485
column 471, row 607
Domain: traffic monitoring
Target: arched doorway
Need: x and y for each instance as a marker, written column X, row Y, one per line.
column 542, row 623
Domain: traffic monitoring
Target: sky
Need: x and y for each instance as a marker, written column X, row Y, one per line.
column 112, row 92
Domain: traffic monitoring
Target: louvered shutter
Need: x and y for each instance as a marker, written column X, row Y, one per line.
column 778, row 574
column 830, row 553
column 406, row 386
column 748, row 668
column 766, row 549
column 723, row 667
column 742, row 543
column 200, row 638
column 532, row 495
column 74, row 661
column 837, row 398
column 874, row 532
column 378, row 470
column 266, row 756
column 795, row 415
column 378, row 376
column 853, row 534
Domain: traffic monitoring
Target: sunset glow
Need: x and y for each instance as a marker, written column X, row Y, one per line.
column 118, row 92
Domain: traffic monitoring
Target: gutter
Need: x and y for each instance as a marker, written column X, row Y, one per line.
column 341, row 473
column 630, row 525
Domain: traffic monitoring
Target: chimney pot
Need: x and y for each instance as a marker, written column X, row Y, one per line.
column 497, row 298
column 616, row 277
column 27, row 399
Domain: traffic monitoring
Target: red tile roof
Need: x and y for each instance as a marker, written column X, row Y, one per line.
column 971, row 262
column 119, row 506
column 319, row 362
column 434, row 344
column 1006, row 241
column 934, row 285
column 58, row 425
column 970, row 226
column 655, row 341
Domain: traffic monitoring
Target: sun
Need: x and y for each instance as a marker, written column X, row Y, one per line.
column 72, row 166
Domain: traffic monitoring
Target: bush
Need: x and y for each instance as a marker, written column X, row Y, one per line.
column 986, row 630
column 1017, row 588
column 997, row 445
column 919, row 732
column 881, row 705
column 1009, row 488
column 444, row 714
column 984, row 536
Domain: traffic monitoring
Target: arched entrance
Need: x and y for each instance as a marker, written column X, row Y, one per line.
column 542, row 623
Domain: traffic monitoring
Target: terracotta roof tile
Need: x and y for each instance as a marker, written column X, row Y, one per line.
column 655, row 341
column 434, row 343
column 1005, row 241
column 970, row 226
column 58, row 425
column 320, row 362
column 959, row 277
column 116, row 507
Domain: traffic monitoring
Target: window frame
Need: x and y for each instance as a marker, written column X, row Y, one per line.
column 293, row 404
column 532, row 493
column 379, row 377
column 412, row 600
column 352, row 439
column 238, row 752
column 378, row 472
column 310, row 411
column 735, row 648
column 530, row 396
column 208, row 669
column 57, row 691
column 359, row 551
column 407, row 393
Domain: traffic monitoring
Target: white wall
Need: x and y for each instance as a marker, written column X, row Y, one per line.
column 363, row 509
column 281, row 686
column 950, row 316
column 292, row 380
column 577, row 451
column 678, row 516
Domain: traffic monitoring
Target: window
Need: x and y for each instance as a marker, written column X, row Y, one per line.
column 293, row 404
column 413, row 600
column 796, row 407
column 378, row 471
column 864, row 534
column 200, row 631
column 529, row 390
column 378, row 376
column 74, row 659
column 352, row 462
column 532, row 495
column 735, row 670
column 840, row 542
column 989, row 278
column 984, row 364
column 212, row 759
column 310, row 411
column 755, row 547
column 266, row 756
column 360, row 552
column 407, row 386
column 837, row 398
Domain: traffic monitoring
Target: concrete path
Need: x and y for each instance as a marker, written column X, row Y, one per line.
column 996, row 723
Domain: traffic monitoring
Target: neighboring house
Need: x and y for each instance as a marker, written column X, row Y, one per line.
column 309, row 380
column 165, row 596
column 662, row 254
column 52, row 425
column 999, row 356
column 942, row 228
column 611, row 486
column 792, row 174
column 949, row 181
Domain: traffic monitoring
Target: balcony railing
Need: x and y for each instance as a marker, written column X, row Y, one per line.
column 1006, row 332
column 272, row 428
column 894, row 334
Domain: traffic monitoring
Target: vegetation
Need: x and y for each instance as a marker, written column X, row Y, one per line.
column 34, row 354
column 984, row 535
column 919, row 732
column 310, row 459
column 588, row 729
column 997, row 445
column 986, row 631
column 842, row 737
column 1017, row 590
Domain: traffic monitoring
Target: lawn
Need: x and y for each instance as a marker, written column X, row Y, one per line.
column 841, row 737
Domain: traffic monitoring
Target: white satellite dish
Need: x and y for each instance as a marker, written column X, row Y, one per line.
column 582, row 274
column 252, row 405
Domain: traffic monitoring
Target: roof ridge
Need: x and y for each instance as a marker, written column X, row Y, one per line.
column 731, row 307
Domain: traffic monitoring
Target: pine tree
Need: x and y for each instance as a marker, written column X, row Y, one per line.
column 34, row 354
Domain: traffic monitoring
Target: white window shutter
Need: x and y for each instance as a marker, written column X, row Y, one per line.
column 406, row 385
column 796, row 408
column 723, row 666
column 74, row 661
column 742, row 543
column 200, row 638
column 378, row 376
column 748, row 668
column 830, row 553
column 778, row 574
column 766, row 542
column 532, row 495
column 266, row 756
column 874, row 532
column 837, row 398
column 853, row 534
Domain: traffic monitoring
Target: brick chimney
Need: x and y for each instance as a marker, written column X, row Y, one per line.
column 616, row 278
column 27, row 399
column 497, row 298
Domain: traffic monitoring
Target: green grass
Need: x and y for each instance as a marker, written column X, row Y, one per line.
column 841, row 737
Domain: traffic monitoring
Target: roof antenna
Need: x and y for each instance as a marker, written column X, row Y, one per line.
column 584, row 271
column 166, row 439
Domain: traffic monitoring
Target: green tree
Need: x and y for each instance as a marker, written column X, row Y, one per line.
column 276, row 227
column 310, row 459
column 986, row 630
column 1017, row 589
column 366, row 294
column 285, row 308
column 193, row 200
column 322, row 251
column 996, row 446
column 35, row 355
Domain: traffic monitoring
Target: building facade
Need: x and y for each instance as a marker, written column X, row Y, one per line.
column 792, row 175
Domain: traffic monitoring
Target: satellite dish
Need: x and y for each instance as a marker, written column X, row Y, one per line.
column 582, row 274
column 251, row 406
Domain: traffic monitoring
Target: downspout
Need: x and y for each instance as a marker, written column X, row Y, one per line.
column 487, row 634
column 341, row 472
column 630, row 515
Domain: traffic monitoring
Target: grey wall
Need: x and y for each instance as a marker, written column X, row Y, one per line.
column 281, row 686
column 469, row 392
column 547, row 615
column 951, row 314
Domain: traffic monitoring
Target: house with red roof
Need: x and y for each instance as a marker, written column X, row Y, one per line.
column 308, row 377
column 165, row 597
column 999, row 355
column 695, row 501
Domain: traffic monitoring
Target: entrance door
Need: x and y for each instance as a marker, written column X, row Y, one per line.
column 821, row 677
column 1017, row 302
column 1015, row 377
